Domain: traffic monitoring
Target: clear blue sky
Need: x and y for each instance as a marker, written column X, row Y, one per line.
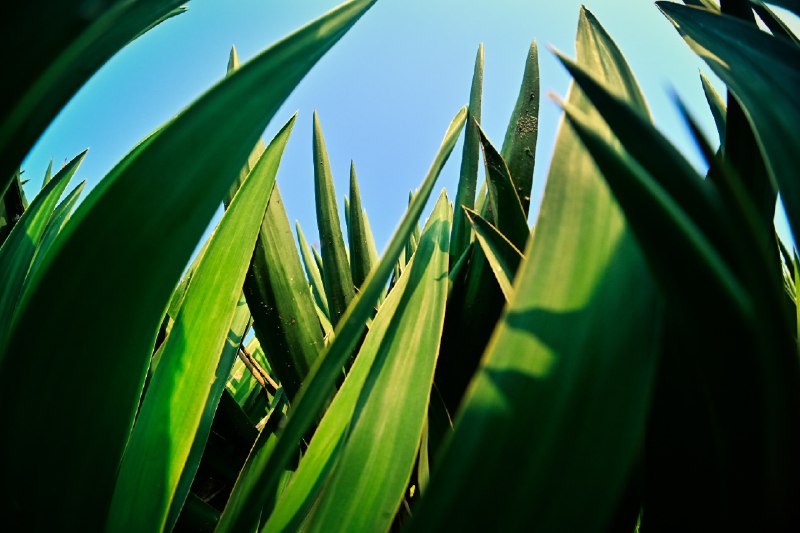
column 385, row 93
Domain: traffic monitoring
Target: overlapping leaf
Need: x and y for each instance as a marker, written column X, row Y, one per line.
column 556, row 413
column 139, row 262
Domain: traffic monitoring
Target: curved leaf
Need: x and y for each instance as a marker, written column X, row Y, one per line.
column 141, row 261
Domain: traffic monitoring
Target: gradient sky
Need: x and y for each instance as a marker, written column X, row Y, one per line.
column 385, row 93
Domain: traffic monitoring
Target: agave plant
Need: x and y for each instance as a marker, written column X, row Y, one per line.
column 631, row 363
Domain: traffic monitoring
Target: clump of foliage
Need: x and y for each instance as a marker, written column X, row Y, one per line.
column 630, row 363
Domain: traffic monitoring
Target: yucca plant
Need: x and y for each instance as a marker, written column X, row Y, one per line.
column 630, row 363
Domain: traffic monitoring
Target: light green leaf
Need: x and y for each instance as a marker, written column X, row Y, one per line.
column 717, row 106
column 322, row 453
column 60, row 216
column 313, row 273
column 275, row 288
column 173, row 408
column 335, row 266
column 384, row 435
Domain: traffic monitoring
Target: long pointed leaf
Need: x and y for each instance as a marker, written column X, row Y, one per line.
column 141, row 263
column 502, row 255
column 465, row 195
column 385, row 433
column 317, row 388
column 172, row 410
column 762, row 72
column 576, row 343
column 335, row 266
column 18, row 250
column 519, row 146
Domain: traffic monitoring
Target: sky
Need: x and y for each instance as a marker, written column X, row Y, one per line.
column 385, row 93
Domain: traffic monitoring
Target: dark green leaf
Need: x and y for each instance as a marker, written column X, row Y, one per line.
column 509, row 216
column 576, row 343
column 107, row 248
column 18, row 250
column 519, row 146
column 502, row 255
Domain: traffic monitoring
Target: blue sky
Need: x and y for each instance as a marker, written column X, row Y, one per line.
column 385, row 94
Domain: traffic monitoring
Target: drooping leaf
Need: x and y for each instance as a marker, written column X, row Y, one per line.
column 576, row 343
column 467, row 182
column 519, row 146
column 264, row 479
column 502, row 255
column 141, row 264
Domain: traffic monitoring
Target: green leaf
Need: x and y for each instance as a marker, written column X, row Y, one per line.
column 173, row 408
column 240, row 514
column 276, row 291
column 19, row 249
column 762, row 72
column 502, row 255
column 360, row 256
column 519, row 146
column 384, row 436
column 56, row 224
column 316, row 389
column 717, row 106
column 72, row 42
column 465, row 195
column 658, row 157
column 239, row 325
column 141, row 264
column 48, row 174
column 313, row 273
column 509, row 215
column 13, row 205
column 576, row 343
column 663, row 228
column 323, row 451
column 773, row 22
column 335, row 266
